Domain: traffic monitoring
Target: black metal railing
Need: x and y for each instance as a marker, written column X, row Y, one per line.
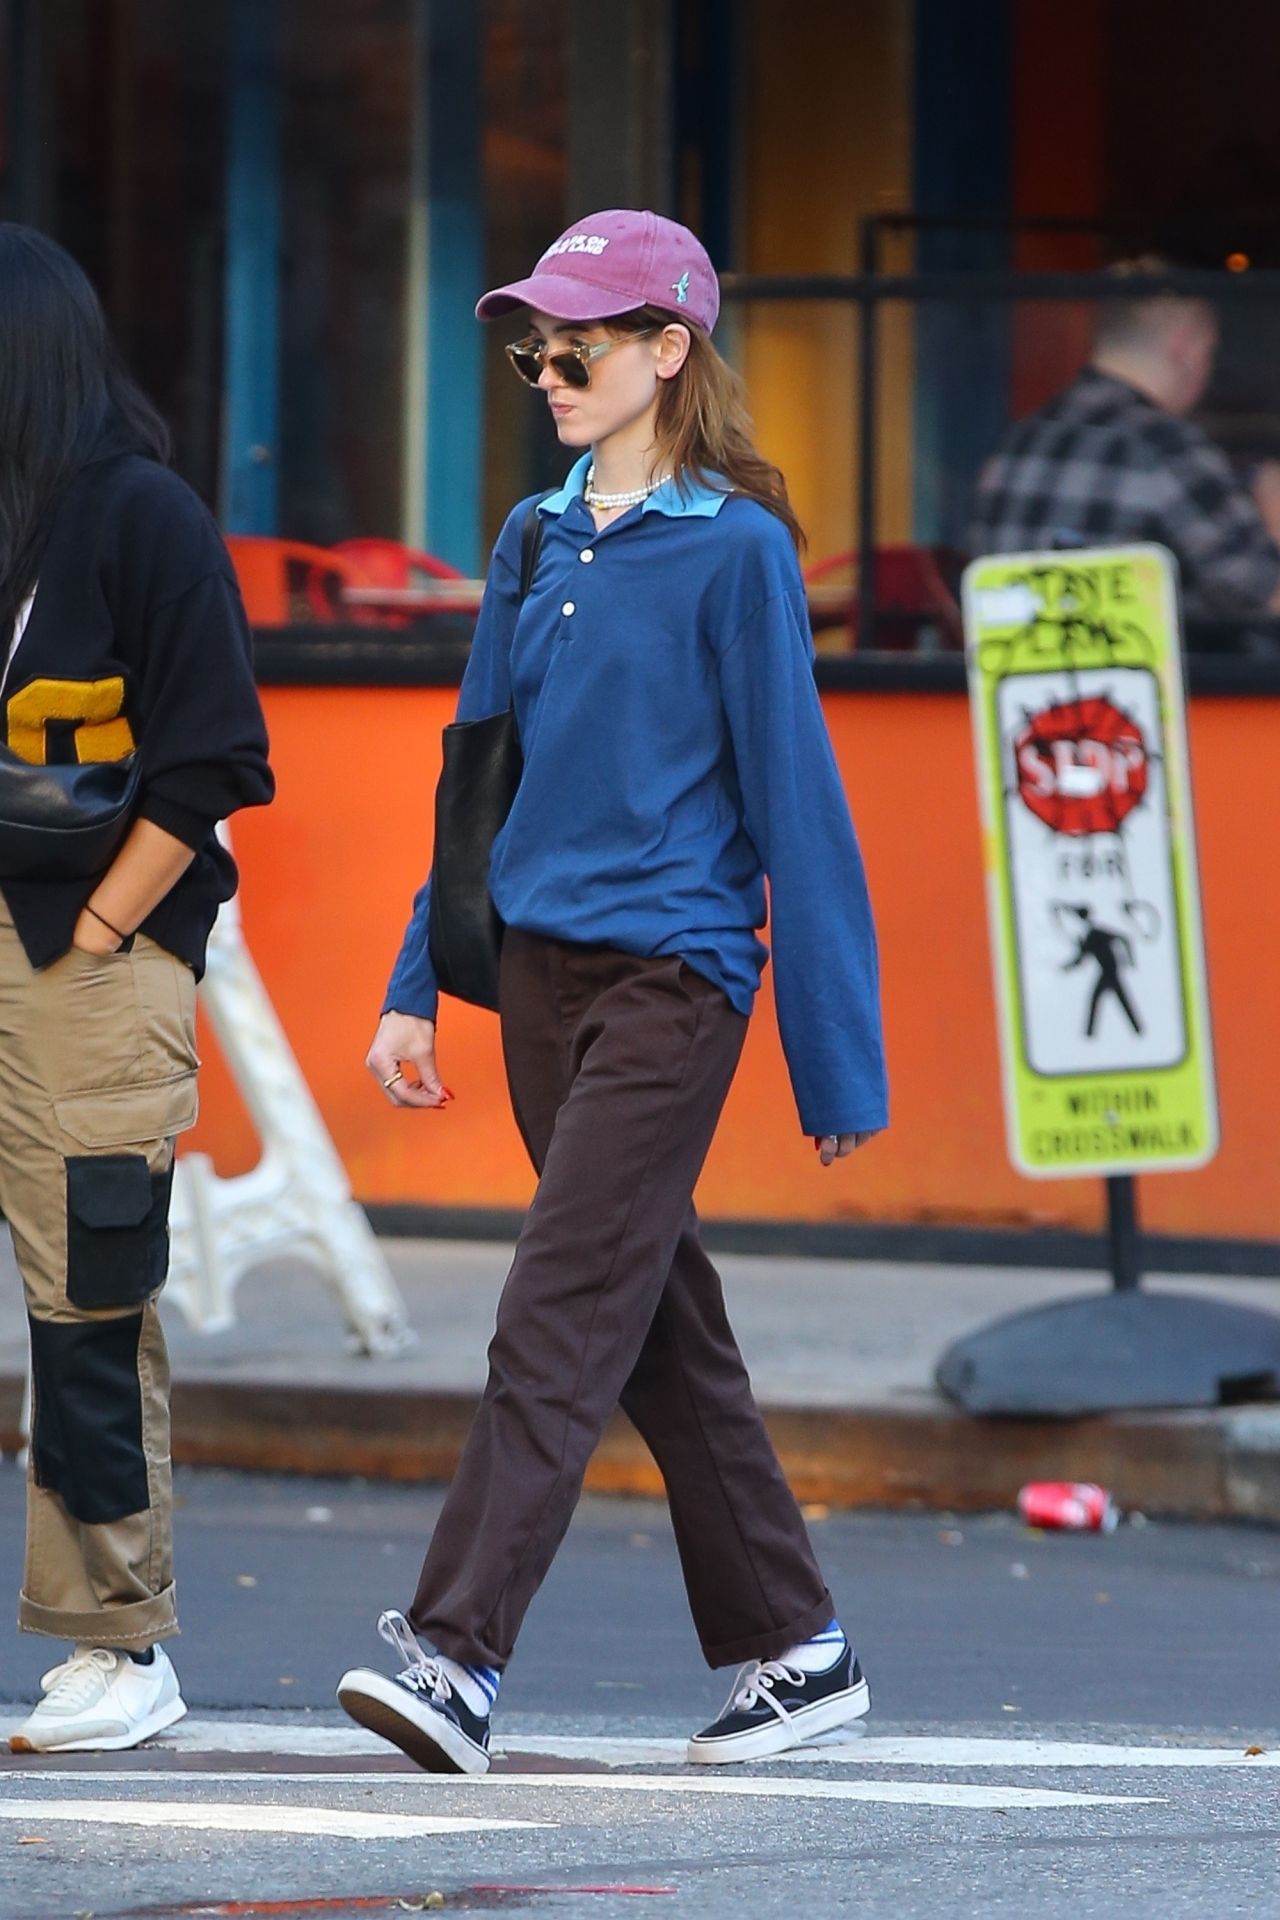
column 871, row 289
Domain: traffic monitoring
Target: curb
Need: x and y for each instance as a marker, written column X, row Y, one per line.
column 1213, row 1465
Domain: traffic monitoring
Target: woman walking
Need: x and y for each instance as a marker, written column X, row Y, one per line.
column 674, row 757
column 129, row 726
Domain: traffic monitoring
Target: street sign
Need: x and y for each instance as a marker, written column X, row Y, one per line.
column 1075, row 681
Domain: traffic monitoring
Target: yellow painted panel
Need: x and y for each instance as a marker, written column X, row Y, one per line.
column 828, row 140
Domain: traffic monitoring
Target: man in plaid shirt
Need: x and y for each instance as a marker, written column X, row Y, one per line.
column 1111, row 459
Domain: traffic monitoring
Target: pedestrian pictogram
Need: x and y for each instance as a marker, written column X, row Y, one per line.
column 1108, row 950
column 1075, row 673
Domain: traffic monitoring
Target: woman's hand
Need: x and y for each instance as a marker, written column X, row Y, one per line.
column 838, row 1146
column 92, row 936
column 403, row 1037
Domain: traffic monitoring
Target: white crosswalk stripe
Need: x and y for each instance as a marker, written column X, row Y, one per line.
column 910, row 1751
column 287, row 1736
column 633, row 1766
column 331, row 1823
column 923, row 1793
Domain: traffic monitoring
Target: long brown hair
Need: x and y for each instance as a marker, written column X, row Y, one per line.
column 703, row 429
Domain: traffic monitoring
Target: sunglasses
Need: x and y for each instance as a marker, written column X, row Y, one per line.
column 572, row 364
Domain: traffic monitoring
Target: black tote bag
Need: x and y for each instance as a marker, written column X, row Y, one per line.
column 482, row 767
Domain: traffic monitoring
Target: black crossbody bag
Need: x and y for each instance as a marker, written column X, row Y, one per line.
column 482, row 767
column 63, row 823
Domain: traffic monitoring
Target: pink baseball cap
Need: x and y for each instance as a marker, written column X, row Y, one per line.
column 610, row 263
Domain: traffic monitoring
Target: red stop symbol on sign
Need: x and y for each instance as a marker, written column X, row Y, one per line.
column 1082, row 766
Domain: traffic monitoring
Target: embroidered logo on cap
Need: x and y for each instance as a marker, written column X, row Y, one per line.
column 680, row 288
column 577, row 243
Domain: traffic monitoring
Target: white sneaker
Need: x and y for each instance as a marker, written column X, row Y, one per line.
column 99, row 1701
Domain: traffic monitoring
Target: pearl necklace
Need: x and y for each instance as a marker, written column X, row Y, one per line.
column 607, row 502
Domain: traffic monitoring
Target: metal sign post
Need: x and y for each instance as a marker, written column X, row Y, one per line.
column 1075, row 675
column 1123, row 1237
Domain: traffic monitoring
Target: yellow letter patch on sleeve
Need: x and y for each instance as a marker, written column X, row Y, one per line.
column 94, row 706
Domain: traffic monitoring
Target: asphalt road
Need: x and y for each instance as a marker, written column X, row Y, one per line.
column 1060, row 1728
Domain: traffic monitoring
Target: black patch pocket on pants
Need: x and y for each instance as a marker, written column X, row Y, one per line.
column 117, row 1230
column 86, row 1438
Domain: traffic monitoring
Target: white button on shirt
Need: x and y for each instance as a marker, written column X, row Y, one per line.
column 588, row 553
column 568, row 608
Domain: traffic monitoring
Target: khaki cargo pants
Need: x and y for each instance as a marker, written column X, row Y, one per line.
column 97, row 1076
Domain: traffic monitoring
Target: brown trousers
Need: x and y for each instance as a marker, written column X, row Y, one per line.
column 618, row 1069
column 97, row 1076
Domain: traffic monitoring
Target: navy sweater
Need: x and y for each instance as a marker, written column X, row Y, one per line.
column 676, row 755
column 137, row 608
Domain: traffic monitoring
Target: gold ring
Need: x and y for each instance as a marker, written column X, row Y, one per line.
column 397, row 1075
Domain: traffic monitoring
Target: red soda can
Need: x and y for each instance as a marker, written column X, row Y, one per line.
column 1070, row 1506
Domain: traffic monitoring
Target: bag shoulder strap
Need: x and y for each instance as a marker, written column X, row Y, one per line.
column 531, row 543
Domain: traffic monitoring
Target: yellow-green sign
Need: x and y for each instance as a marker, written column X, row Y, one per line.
column 1075, row 681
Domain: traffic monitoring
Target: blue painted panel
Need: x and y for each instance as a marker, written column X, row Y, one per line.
column 251, row 438
column 963, row 164
column 455, row 281
column 710, row 105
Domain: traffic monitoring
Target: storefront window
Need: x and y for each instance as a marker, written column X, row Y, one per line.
column 524, row 165
column 346, row 141
column 113, row 143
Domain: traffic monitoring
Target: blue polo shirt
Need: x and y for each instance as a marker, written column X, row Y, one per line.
column 676, row 755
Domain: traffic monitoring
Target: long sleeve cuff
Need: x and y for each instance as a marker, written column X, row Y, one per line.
column 422, row 1006
column 869, row 1115
column 412, row 987
column 184, row 823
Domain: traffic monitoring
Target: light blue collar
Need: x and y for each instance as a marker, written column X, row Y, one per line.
column 697, row 500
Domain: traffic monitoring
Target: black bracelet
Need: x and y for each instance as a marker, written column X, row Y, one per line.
column 122, row 937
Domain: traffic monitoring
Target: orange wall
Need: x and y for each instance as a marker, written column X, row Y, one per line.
column 328, row 875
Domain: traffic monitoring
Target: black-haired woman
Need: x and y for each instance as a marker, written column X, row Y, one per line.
column 123, row 649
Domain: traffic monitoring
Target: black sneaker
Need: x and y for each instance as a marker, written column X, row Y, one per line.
column 418, row 1711
column 774, row 1707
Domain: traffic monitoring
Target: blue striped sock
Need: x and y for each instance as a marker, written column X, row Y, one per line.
column 478, row 1686
column 819, row 1652
column 488, row 1681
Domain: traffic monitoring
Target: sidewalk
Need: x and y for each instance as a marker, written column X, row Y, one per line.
column 841, row 1353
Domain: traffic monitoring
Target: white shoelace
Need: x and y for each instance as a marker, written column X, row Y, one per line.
column 756, row 1682
column 74, row 1684
column 421, row 1672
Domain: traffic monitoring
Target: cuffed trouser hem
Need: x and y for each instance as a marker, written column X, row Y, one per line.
column 137, row 1624
column 768, row 1646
